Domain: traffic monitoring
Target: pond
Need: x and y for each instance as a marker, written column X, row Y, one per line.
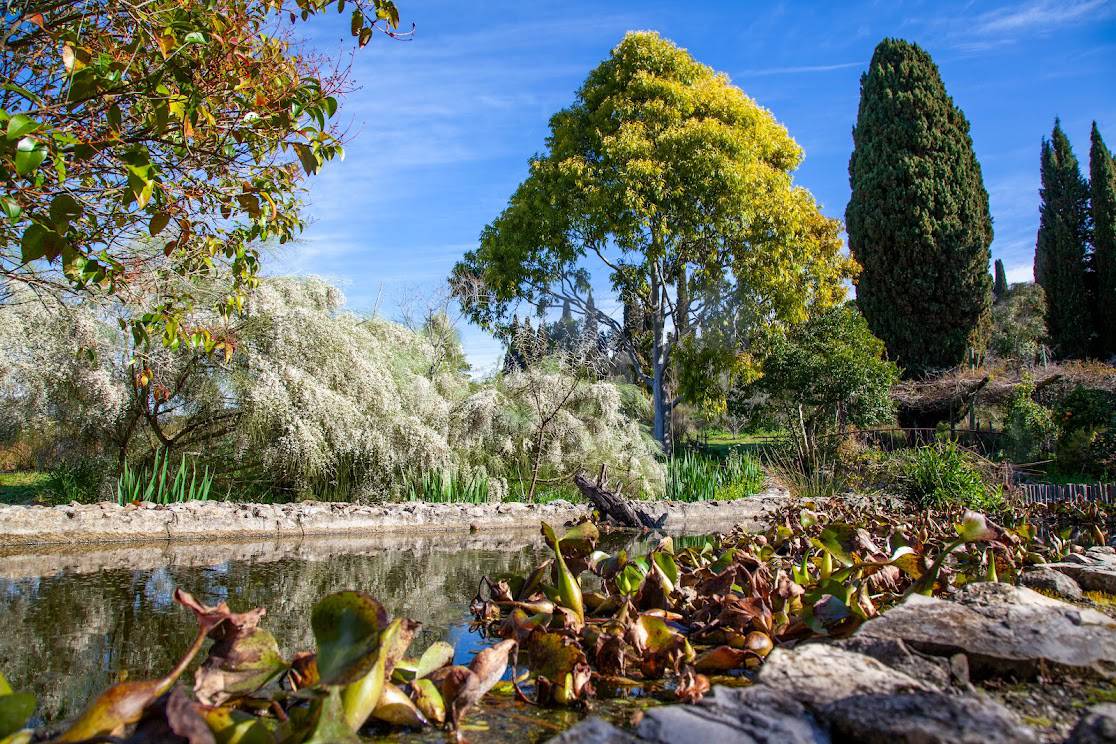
column 75, row 622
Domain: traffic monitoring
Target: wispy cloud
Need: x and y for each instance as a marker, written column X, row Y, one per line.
column 801, row 69
column 1042, row 15
column 1015, row 22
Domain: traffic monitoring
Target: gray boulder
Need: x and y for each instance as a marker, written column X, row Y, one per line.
column 1004, row 630
column 1047, row 579
column 817, row 674
column 924, row 718
column 742, row 716
column 933, row 670
column 1093, row 571
column 1097, row 726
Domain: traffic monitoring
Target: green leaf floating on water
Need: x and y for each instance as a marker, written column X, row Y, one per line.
column 361, row 698
column 16, row 708
column 569, row 590
column 347, row 627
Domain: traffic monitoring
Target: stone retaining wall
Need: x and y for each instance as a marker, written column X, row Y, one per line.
column 212, row 520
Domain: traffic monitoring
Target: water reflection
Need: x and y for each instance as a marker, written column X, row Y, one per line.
column 68, row 635
column 73, row 621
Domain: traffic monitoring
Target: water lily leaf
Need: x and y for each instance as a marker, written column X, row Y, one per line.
column 437, row 656
column 429, row 700
column 123, row 704
column 238, row 664
column 328, row 723
column 669, row 568
column 580, row 540
column 486, row 669
column 569, row 590
column 361, row 698
column 721, row 659
column 347, row 627
column 449, row 680
column 397, row 709
column 231, row 726
column 16, row 708
column 629, row 580
column 531, row 585
column 839, row 540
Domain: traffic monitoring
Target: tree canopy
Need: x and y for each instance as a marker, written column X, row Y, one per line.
column 678, row 186
column 187, row 125
column 918, row 219
column 1102, row 182
column 1060, row 249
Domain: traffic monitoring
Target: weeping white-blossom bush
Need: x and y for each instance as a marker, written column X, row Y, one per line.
column 314, row 401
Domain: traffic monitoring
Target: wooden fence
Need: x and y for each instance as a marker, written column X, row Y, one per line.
column 1071, row 492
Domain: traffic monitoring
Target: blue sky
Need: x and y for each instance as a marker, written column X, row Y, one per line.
column 441, row 127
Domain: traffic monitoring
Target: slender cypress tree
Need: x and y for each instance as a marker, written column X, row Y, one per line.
column 1102, row 182
column 918, row 219
column 1060, row 249
column 999, row 282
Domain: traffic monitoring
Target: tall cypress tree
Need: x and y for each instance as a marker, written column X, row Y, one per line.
column 1060, row 249
column 918, row 219
column 1102, row 182
column 999, row 281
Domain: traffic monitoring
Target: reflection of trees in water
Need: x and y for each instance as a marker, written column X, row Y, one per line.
column 65, row 637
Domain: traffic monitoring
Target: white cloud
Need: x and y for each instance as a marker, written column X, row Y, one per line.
column 1020, row 273
column 801, row 69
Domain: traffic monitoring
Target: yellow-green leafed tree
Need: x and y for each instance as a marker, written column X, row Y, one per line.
column 678, row 185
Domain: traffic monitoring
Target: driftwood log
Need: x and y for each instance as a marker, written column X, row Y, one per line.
column 613, row 506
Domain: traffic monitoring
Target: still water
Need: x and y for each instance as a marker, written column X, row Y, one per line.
column 72, row 623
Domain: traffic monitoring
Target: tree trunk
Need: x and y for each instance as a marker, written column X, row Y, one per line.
column 612, row 506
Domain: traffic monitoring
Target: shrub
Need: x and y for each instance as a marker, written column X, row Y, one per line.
column 185, row 483
column 1087, row 418
column 943, row 475
column 695, row 477
column 1030, row 432
column 79, row 481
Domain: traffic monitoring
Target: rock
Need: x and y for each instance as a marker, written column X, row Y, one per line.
column 817, row 674
column 924, row 718
column 752, row 715
column 932, row 670
column 1004, row 630
column 1095, row 571
column 1097, row 726
column 1044, row 578
column 594, row 731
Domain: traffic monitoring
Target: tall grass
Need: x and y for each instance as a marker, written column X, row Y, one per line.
column 442, row 487
column 152, row 485
column 695, row 477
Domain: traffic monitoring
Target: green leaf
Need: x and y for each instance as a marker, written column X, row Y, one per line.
column 329, row 722
column 16, row 708
column 159, row 220
column 29, row 155
column 437, row 656
column 63, row 209
column 20, row 125
column 347, row 627
column 194, row 37
column 11, row 208
column 356, row 23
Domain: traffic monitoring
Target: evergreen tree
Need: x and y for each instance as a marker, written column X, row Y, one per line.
column 918, row 219
column 1060, row 249
column 1102, row 180
column 999, row 284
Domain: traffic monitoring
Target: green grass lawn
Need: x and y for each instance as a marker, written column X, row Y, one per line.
column 21, row 487
column 720, row 443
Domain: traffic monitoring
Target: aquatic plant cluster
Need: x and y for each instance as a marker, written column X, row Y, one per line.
column 677, row 620
column 583, row 624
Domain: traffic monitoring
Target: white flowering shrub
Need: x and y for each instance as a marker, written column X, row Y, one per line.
column 315, row 401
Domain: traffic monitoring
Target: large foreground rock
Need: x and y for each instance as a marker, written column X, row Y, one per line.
column 1097, row 726
column 1095, row 571
column 921, row 718
column 819, row 673
column 1004, row 630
